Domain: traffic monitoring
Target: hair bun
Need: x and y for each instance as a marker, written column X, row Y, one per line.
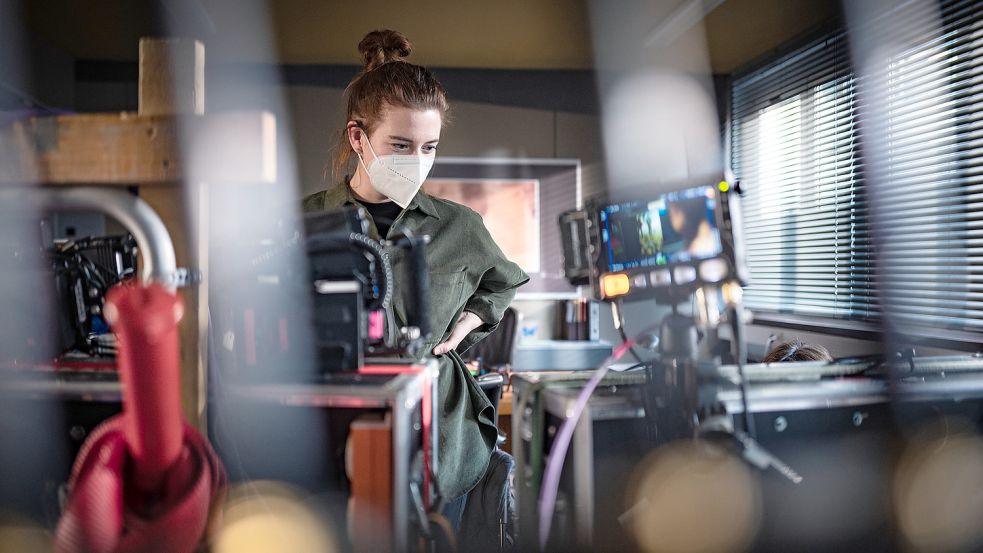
column 379, row 47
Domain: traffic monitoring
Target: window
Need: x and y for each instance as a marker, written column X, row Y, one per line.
column 794, row 147
column 796, row 144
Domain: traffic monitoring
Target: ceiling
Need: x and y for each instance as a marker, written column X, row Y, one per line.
column 504, row 34
column 739, row 32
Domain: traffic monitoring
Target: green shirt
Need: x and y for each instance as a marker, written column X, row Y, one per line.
column 468, row 272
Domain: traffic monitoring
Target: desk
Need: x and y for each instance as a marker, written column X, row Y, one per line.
column 559, row 355
column 80, row 400
column 535, row 396
column 405, row 392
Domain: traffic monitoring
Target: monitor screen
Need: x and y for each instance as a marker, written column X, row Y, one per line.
column 673, row 228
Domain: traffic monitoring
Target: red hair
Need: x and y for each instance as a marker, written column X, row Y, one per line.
column 387, row 80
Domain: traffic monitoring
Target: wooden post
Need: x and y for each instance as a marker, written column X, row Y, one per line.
column 123, row 149
column 172, row 77
column 172, row 82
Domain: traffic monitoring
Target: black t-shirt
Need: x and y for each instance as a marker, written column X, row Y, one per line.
column 383, row 215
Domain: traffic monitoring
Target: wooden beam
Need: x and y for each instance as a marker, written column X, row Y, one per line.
column 127, row 149
column 172, row 77
column 170, row 149
column 172, row 81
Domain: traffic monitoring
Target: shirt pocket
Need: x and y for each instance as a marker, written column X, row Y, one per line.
column 446, row 303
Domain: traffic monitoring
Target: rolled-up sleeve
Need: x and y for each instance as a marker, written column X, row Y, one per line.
column 495, row 292
column 496, row 288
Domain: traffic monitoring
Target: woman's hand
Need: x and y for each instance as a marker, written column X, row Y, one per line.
column 467, row 322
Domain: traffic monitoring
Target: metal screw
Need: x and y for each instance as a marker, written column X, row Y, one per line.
column 781, row 423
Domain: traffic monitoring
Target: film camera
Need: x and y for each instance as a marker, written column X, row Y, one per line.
column 353, row 278
column 85, row 269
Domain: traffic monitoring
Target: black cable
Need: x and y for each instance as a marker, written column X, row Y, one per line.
column 331, row 243
column 385, row 267
column 108, row 275
column 621, row 330
column 624, row 339
column 649, row 402
column 91, row 270
column 740, row 354
column 650, row 427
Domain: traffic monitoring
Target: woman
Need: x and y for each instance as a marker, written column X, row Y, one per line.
column 395, row 111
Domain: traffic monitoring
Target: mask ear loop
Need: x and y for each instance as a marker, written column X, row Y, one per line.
column 374, row 155
column 360, row 160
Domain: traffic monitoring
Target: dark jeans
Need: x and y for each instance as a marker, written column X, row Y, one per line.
column 454, row 510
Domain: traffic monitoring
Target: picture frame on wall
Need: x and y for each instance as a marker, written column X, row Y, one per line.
column 520, row 201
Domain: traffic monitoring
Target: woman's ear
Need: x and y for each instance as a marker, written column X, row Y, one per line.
column 355, row 136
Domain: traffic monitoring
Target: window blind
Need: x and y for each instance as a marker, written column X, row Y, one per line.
column 796, row 134
column 794, row 146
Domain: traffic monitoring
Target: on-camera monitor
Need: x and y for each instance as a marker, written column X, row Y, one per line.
column 676, row 227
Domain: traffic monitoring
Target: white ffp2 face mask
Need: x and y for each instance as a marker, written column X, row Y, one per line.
column 397, row 177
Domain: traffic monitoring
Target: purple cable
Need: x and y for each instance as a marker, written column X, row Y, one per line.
column 558, row 453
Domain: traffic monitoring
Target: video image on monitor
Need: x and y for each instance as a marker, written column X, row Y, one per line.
column 676, row 227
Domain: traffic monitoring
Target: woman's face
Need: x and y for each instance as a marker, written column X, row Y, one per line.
column 400, row 131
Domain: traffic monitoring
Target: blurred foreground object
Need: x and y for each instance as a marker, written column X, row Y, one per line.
column 144, row 480
column 268, row 516
column 23, row 536
column 938, row 493
column 694, row 496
